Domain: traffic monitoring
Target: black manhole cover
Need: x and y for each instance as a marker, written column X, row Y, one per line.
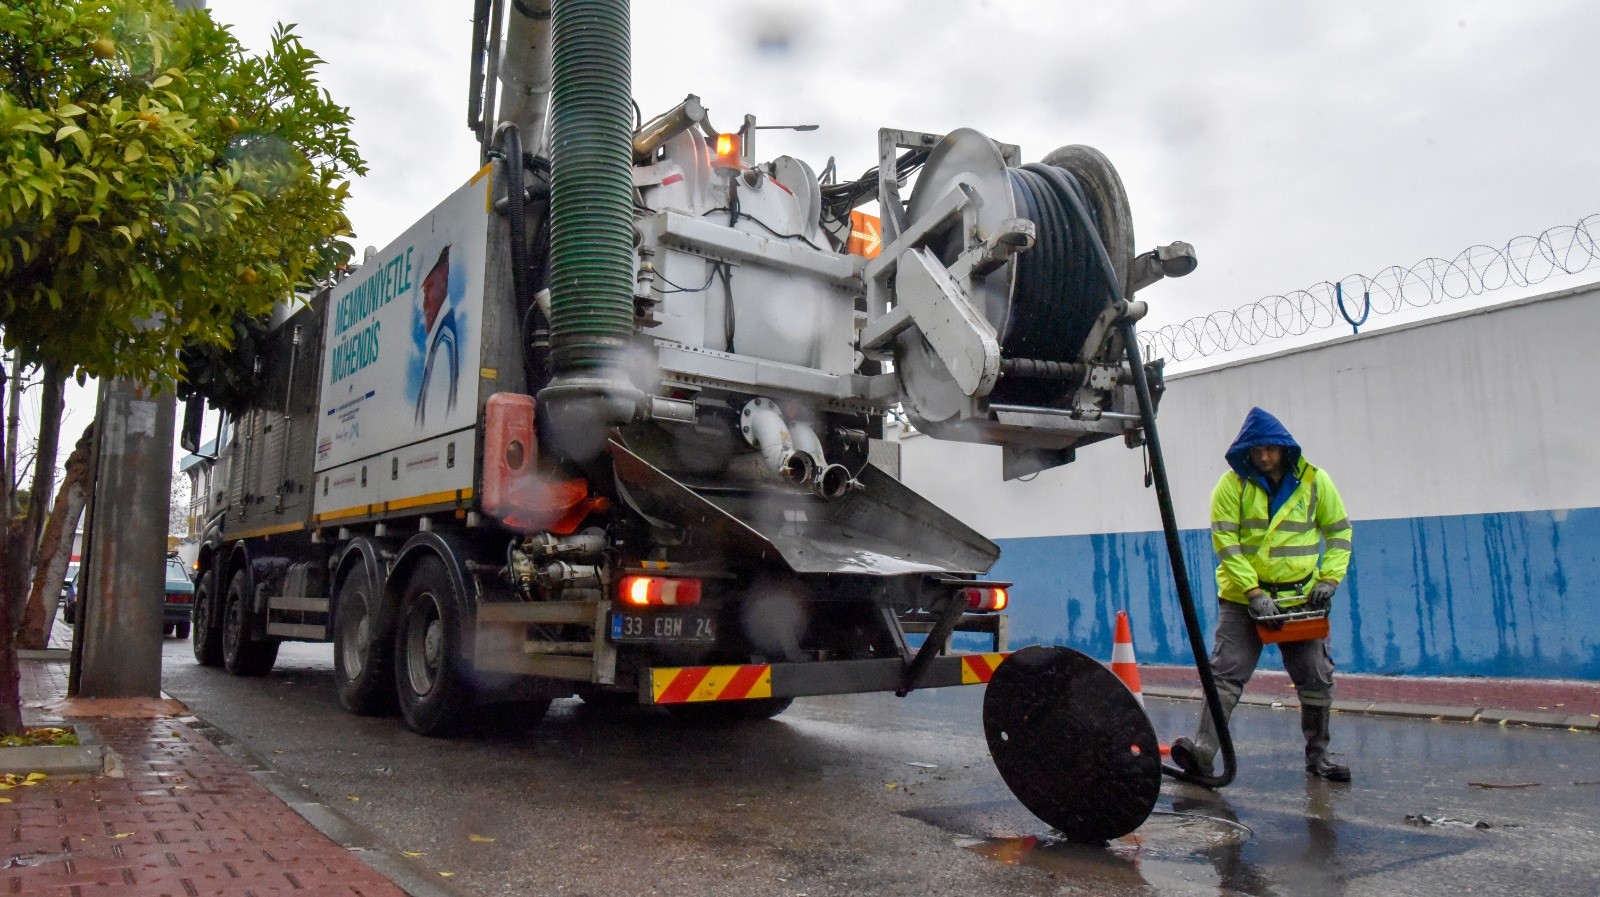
column 1072, row 743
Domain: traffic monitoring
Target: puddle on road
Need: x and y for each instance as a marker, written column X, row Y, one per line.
column 1192, row 849
column 1167, row 837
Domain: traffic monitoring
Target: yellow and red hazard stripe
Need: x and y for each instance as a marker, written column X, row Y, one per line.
column 979, row 668
column 682, row 685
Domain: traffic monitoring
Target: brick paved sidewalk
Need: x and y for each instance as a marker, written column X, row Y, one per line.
column 184, row 820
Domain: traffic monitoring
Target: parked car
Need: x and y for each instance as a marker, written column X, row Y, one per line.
column 69, row 588
column 69, row 594
column 179, row 599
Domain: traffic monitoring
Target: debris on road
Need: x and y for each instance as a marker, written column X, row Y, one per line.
column 1505, row 784
column 1422, row 819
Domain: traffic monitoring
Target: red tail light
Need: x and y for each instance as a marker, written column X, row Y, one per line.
column 986, row 599
column 178, row 598
column 656, row 591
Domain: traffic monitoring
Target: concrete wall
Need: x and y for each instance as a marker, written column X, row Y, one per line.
column 1465, row 450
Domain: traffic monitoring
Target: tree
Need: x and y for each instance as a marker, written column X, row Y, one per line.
column 157, row 183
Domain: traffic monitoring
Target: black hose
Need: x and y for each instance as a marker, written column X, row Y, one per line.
column 480, row 39
column 1086, row 229
column 508, row 142
column 1060, row 289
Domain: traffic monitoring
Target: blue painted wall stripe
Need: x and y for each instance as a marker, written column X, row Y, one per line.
column 1507, row 594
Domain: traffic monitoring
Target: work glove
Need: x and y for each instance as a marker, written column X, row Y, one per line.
column 1321, row 595
column 1262, row 605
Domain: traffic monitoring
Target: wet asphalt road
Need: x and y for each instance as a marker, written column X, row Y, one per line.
column 824, row 801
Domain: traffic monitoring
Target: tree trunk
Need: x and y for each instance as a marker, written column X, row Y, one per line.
column 24, row 548
column 10, row 694
column 55, row 549
column 51, row 403
column 13, row 391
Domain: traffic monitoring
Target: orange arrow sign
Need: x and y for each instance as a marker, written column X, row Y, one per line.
column 866, row 235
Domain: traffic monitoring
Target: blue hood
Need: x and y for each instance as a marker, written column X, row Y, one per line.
column 1261, row 428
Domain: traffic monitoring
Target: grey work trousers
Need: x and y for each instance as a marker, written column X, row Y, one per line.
column 1234, row 656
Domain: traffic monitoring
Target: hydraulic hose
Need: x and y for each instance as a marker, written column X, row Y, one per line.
column 533, row 328
column 591, row 149
column 1087, row 234
column 508, row 142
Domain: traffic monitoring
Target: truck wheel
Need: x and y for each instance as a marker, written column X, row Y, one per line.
column 241, row 654
column 723, row 713
column 361, row 653
column 431, row 672
column 166, row 629
column 207, row 634
column 181, row 630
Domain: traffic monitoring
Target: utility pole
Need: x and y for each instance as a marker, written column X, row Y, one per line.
column 117, row 642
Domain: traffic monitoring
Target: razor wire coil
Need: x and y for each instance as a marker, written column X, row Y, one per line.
column 1523, row 261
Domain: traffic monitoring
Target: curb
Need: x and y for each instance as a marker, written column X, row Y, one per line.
column 1530, row 718
column 341, row 829
column 44, row 654
column 89, row 756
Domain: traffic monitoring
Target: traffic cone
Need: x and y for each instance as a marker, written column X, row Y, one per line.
column 1126, row 667
column 1123, row 663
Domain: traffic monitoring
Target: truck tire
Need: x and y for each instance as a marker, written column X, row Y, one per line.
column 361, row 653
column 724, row 713
column 181, row 630
column 241, row 654
column 166, row 629
column 432, row 673
column 207, row 628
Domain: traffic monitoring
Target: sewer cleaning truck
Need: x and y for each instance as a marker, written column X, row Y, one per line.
column 609, row 420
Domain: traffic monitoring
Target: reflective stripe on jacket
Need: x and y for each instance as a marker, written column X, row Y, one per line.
column 1308, row 537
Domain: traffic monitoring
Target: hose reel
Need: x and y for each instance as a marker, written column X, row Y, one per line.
column 1004, row 328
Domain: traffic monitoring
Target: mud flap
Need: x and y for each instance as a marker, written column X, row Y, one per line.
column 1072, row 743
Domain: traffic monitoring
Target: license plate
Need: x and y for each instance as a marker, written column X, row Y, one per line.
column 662, row 626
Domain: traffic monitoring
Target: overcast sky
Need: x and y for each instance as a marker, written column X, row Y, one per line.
column 1291, row 143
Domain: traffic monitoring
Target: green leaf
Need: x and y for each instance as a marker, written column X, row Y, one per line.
column 68, row 110
column 161, row 82
column 74, row 240
column 67, row 131
column 133, row 152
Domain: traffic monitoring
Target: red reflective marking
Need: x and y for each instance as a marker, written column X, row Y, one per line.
column 683, row 685
column 980, row 667
column 780, row 185
column 741, row 683
column 671, row 179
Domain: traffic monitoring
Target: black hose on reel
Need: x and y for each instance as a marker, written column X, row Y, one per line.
column 1060, row 290
column 1063, row 283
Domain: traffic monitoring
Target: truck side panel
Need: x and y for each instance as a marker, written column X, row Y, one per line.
column 400, row 367
column 268, row 478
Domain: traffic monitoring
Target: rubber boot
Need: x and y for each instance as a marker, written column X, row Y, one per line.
column 1314, row 721
column 1195, row 756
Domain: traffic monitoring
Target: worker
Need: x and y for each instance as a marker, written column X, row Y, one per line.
column 1283, row 544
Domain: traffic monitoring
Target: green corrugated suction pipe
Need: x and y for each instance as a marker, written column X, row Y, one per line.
column 591, row 193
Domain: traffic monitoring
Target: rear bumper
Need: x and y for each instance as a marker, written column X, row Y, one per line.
column 683, row 685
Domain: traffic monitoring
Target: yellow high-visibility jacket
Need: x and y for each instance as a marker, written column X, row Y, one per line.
column 1308, row 537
